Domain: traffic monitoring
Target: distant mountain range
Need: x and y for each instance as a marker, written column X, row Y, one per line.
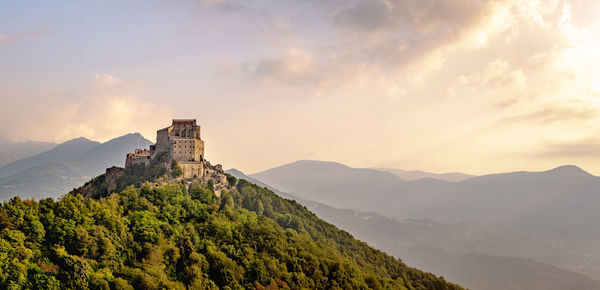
column 562, row 202
column 56, row 171
column 418, row 174
column 469, row 253
column 549, row 216
column 13, row 151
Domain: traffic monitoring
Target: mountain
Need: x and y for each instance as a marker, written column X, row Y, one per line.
column 330, row 182
column 168, row 234
column 418, row 174
column 13, row 151
column 476, row 255
column 41, row 181
column 66, row 166
column 111, row 153
column 547, row 216
column 561, row 202
column 65, row 152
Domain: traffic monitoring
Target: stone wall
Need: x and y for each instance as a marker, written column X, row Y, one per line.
column 192, row 169
column 187, row 150
column 162, row 141
column 216, row 174
column 133, row 159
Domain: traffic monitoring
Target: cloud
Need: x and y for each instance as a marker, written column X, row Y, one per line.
column 223, row 5
column 9, row 38
column 397, row 32
column 295, row 65
column 558, row 113
column 110, row 116
column 107, row 79
column 500, row 80
column 405, row 37
column 365, row 15
column 586, row 148
column 60, row 115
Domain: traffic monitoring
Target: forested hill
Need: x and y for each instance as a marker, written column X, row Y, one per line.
column 178, row 236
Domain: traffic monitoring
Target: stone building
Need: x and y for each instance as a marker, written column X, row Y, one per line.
column 140, row 156
column 180, row 142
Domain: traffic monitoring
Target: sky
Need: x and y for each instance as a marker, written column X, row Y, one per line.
column 474, row 86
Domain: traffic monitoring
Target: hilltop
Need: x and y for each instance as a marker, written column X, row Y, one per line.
column 170, row 234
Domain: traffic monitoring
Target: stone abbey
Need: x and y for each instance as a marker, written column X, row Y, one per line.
column 180, row 142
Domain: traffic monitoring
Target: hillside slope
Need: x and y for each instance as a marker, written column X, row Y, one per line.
column 475, row 255
column 177, row 236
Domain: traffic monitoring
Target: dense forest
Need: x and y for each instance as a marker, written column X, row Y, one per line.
column 180, row 235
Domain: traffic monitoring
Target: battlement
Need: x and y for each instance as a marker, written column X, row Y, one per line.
column 141, row 152
column 184, row 122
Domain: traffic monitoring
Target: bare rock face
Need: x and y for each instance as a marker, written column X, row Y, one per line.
column 111, row 176
column 216, row 175
column 102, row 185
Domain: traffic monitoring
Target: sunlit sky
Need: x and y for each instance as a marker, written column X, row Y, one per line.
column 440, row 85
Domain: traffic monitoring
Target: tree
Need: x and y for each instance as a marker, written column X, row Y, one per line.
column 231, row 179
column 226, row 200
column 176, row 170
column 210, row 185
column 145, row 226
column 202, row 194
column 259, row 208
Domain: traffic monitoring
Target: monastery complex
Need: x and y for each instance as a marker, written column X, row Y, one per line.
column 180, row 142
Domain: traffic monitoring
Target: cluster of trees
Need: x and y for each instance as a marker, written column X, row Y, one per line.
column 179, row 235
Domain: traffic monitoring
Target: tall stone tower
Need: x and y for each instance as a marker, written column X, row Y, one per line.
column 182, row 141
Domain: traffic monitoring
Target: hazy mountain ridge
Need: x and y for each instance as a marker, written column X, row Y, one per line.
column 13, row 151
column 77, row 161
column 557, row 202
column 68, row 151
column 111, row 153
column 331, row 183
column 418, row 174
column 41, row 181
column 451, row 250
